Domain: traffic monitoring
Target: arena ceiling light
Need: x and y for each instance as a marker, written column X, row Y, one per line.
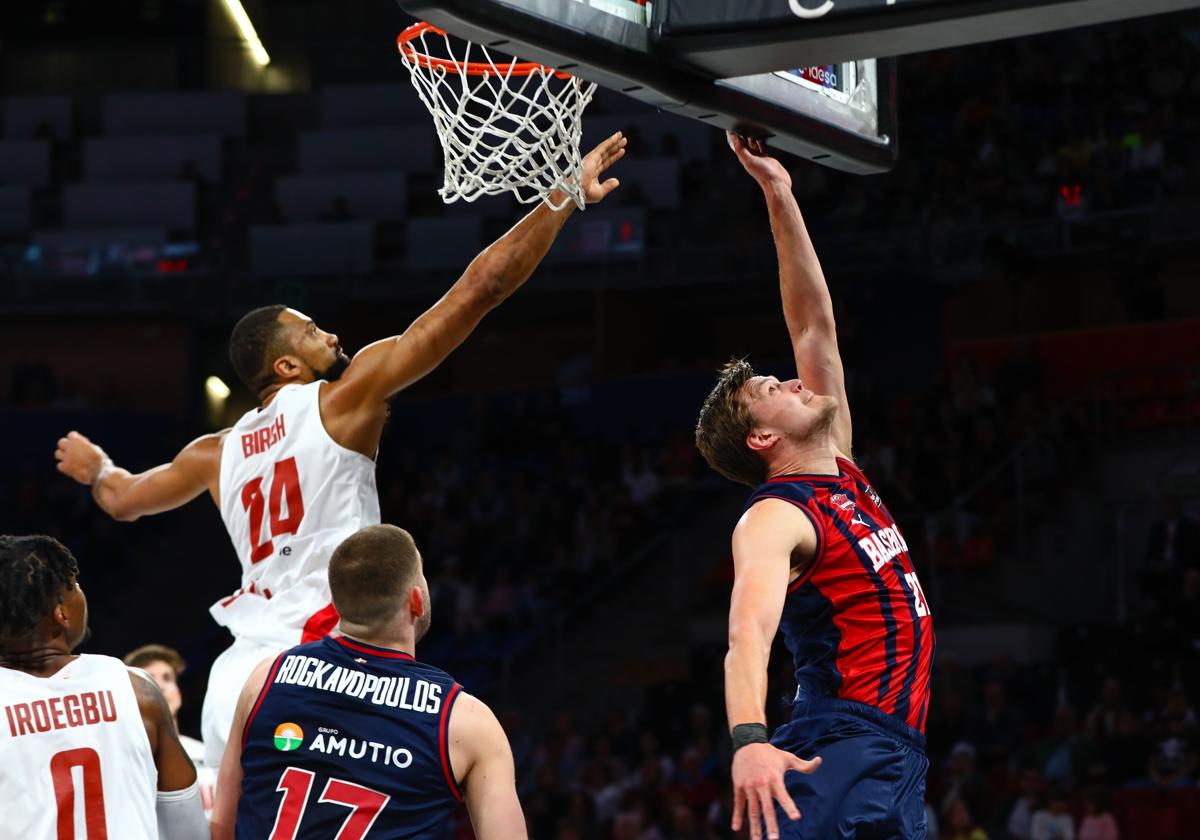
column 257, row 50
column 216, row 388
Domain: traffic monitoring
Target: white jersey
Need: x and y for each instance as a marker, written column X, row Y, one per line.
column 74, row 755
column 289, row 495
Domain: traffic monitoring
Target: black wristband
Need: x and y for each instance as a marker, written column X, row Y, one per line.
column 748, row 733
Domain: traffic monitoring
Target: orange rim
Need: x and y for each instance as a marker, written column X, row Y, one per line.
column 471, row 68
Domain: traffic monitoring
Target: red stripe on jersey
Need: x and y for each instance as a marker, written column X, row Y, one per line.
column 262, row 695
column 860, row 657
column 319, row 624
column 443, row 745
column 371, row 649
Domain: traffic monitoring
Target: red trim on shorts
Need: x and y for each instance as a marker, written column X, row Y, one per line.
column 443, row 736
column 319, row 624
column 374, row 651
column 262, row 695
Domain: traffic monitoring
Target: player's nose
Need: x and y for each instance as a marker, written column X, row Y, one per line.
column 331, row 339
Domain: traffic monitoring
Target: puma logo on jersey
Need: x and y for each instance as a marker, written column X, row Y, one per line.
column 883, row 545
column 84, row 709
column 260, row 440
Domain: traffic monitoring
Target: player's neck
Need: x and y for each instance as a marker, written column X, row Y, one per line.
column 815, row 458
column 41, row 660
column 403, row 642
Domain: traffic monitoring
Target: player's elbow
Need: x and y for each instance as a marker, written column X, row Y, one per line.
column 122, row 512
column 746, row 642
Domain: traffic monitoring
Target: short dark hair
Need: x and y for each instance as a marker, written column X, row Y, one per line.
column 725, row 422
column 149, row 654
column 254, row 344
column 370, row 573
column 34, row 571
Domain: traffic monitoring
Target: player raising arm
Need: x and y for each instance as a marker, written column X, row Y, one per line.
column 818, row 557
column 408, row 742
column 353, row 406
column 296, row 476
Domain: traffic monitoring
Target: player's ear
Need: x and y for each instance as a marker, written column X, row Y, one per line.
column 287, row 367
column 760, row 439
column 416, row 602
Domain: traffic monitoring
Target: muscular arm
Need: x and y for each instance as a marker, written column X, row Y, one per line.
column 125, row 496
column 765, row 541
column 175, row 770
column 351, row 406
column 229, row 777
column 807, row 306
column 483, row 764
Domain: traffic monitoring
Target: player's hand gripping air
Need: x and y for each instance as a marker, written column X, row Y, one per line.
column 758, row 771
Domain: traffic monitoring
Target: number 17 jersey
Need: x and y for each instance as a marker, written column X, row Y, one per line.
column 289, row 494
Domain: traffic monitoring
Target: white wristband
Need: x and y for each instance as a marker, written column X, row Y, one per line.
column 106, row 469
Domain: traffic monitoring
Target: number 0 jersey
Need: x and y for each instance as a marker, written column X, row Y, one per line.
column 855, row 621
column 289, row 495
column 348, row 739
column 74, row 754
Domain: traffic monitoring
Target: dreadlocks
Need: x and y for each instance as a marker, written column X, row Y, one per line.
column 34, row 571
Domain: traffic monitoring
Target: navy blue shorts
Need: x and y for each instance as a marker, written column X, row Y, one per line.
column 871, row 782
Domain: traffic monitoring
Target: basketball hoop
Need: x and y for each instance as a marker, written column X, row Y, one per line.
column 507, row 126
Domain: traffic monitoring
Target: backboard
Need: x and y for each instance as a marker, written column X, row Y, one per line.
column 841, row 115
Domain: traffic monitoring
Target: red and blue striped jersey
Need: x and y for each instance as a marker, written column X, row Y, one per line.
column 856, row 621
column 349, row 739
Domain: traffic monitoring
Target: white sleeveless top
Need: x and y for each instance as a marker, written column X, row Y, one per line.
column 289, row 495
column 74, row 755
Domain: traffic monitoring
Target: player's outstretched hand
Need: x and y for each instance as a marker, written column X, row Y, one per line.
column 752, row 153
column 79, row 458
column 596, row 162
column 758, row 771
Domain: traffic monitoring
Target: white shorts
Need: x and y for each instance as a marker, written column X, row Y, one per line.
column 225, row 682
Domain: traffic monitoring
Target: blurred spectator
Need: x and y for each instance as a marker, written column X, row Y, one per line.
column 1054, row 821
column 959, row 824
column 1098, row 822
column 1020, row 817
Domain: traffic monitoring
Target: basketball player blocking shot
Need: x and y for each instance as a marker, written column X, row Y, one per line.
column 818, row 557
column 295, row 476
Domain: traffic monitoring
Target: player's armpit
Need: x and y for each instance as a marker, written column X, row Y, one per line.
column 768, row 539
column 483, row 764
column 229, row 777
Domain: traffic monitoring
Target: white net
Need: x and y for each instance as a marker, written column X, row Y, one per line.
column 504, row 126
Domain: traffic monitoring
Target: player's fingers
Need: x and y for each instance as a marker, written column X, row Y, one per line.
column 739, row 802
column 768, row 812
column 610, row 185
column 806, row 766
column 780, row 791
column 754, row 814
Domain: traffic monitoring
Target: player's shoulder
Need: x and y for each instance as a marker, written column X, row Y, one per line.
column 776, row 520
column 472, row 720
